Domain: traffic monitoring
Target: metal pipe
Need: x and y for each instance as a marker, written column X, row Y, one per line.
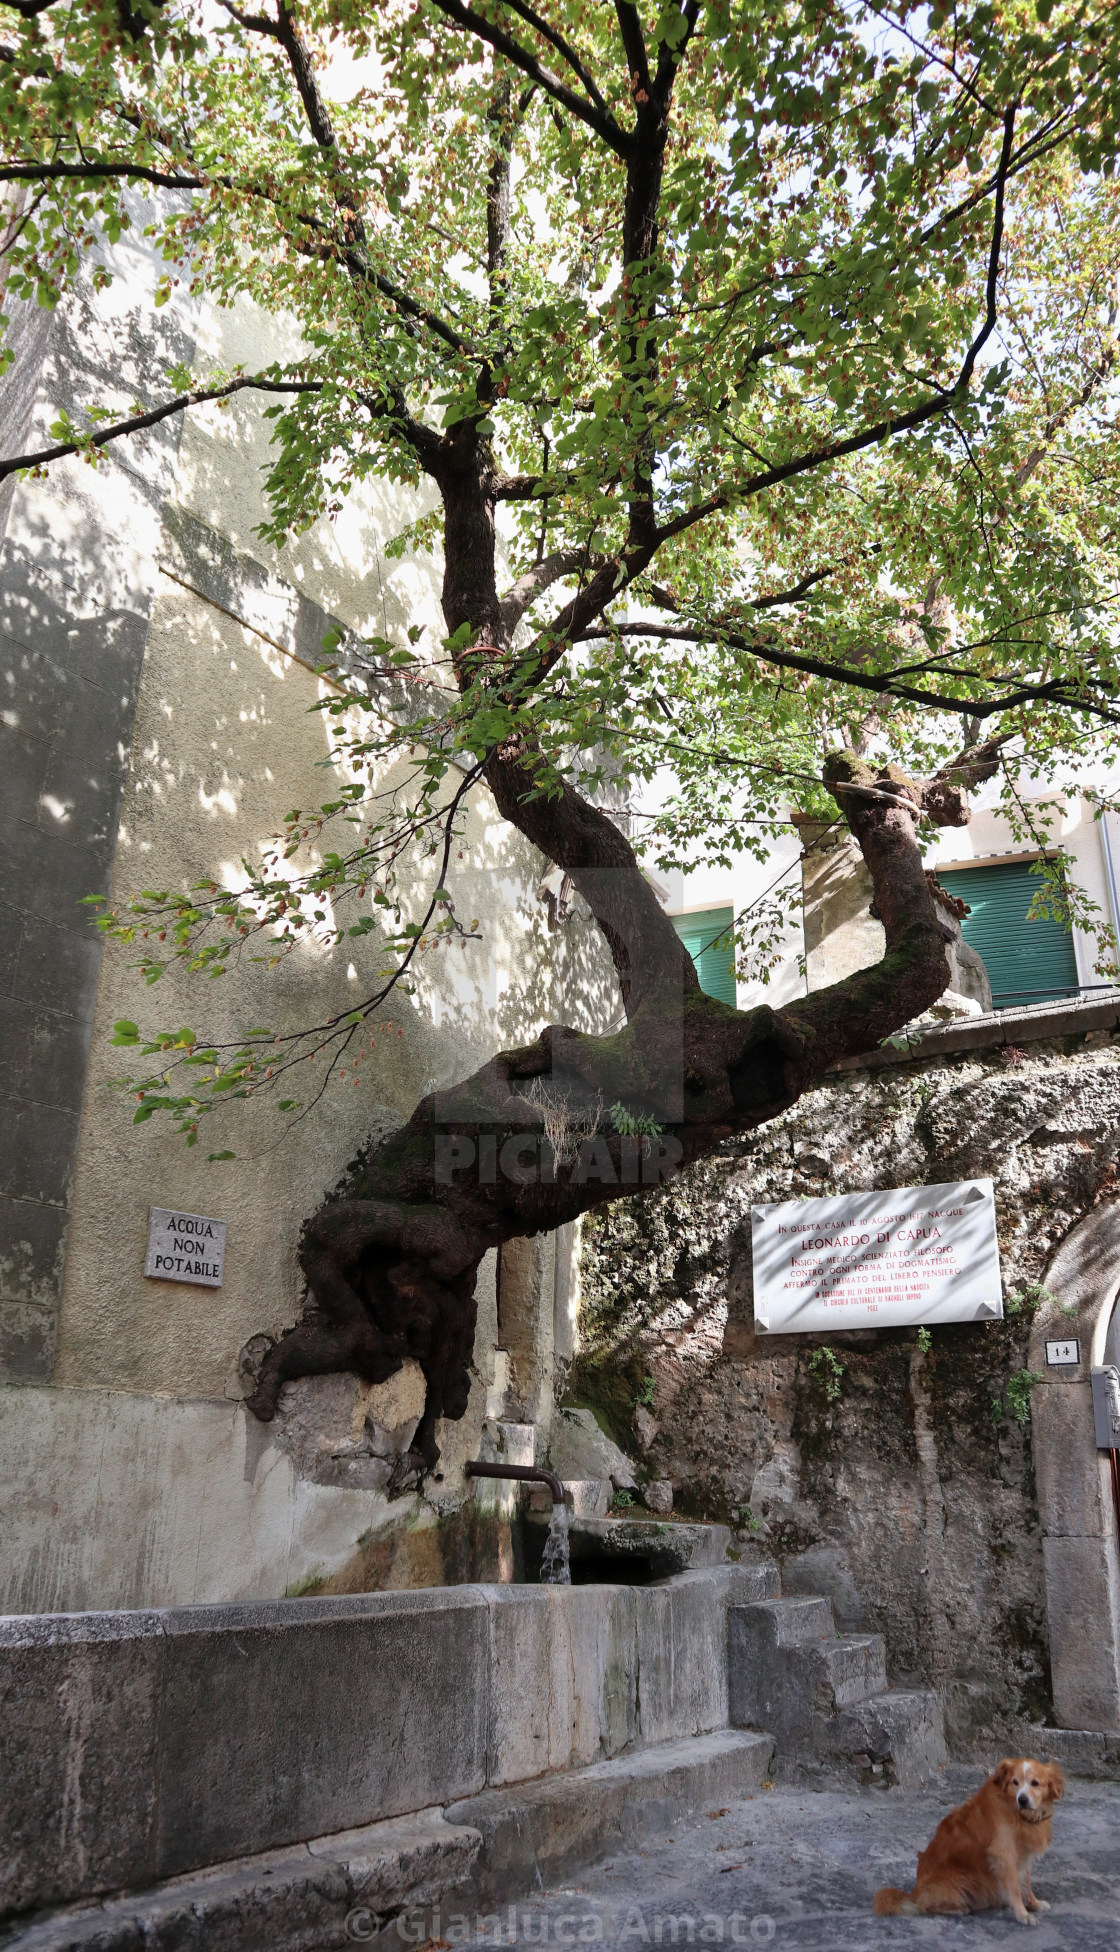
column 530, row 1473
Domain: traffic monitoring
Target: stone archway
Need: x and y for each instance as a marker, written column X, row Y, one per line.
column 1080, row 1550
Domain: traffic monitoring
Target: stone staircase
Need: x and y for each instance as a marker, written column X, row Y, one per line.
column 825, row 1698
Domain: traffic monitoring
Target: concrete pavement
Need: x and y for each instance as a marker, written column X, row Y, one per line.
column 796, row 1869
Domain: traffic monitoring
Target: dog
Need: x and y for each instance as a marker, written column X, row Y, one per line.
column 980, row 1856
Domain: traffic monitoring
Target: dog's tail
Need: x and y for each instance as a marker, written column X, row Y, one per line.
column 888, row 1902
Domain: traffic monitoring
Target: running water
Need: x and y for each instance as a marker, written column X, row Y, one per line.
column 554, row 1559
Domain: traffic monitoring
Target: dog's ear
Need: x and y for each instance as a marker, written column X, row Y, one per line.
column 1056, row 1781
column 1002, row 1776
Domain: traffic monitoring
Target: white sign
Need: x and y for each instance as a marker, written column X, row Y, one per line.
column 185, row 1247
column 900, row 1258
column 1058, row 1353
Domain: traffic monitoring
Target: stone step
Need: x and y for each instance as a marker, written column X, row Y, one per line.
column 353, row 1887
column 1089, row 1752
column 781, row 1623
column 842, row 1672
column 546, row 1829
column 893, row 1738
column 825, row 1697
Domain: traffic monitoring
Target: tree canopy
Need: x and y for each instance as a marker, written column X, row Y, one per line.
column 773, row 349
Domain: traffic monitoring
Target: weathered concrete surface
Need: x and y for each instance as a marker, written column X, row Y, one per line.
column 160, row 661
column 139, row 1746
column 113, row 1494
column 547, row 1829
column 797, row 1869
column 77, row 571
column 909, row 1498
column 295, row 1900
column 390, row 1880
column 787, row 1867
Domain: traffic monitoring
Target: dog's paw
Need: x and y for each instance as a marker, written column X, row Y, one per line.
column 1028, row 1918
column 1041, row 1904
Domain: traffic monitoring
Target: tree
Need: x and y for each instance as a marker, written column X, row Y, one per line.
column 776, row 345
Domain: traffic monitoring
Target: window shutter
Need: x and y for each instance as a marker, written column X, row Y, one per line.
column 708, row 941
column 1027, row 962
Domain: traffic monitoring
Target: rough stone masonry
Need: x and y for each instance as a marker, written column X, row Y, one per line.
column 894, row 1477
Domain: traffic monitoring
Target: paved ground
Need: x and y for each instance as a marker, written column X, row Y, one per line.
column 796, row 1869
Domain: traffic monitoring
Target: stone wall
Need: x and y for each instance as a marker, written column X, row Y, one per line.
column 900, row 1482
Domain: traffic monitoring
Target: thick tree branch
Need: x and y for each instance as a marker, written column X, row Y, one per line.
column 393, row 409
column 882, row 808
column 634, row 47
column 1056, row 692
column 602, row 121
column 54, row 172
column 306, row 80
column 670, row 58
column 135, row 25
column 136, row 423
column 535, row 581
column 532, row 19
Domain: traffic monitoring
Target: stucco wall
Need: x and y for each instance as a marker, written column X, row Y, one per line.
column 224, row 741
column 135, row 1479
column 910, row 1496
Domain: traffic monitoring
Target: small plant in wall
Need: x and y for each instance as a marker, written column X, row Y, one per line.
column 1016, row 1400
column 1019, row 1386
column 827, row 1370
column 925, row 1341
column 1034, row 1295
column 743, row 1517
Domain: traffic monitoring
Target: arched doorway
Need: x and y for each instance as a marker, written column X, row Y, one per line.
column 1079, row 1528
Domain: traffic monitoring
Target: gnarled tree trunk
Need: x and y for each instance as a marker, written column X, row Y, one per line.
column 521, row 1146
column 528, row 1142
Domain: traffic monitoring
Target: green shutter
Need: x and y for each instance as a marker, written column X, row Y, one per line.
column 708, row 941
column 1027, row 962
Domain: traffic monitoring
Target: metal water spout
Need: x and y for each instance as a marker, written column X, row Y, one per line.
column 555, row 1567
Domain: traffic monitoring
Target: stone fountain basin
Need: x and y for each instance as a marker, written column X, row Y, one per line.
column 628, row 1551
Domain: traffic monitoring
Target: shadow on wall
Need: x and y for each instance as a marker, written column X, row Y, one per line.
column 76, row 579
column 134, row 697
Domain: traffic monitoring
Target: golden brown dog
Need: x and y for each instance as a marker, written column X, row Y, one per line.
column 980, row 1856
